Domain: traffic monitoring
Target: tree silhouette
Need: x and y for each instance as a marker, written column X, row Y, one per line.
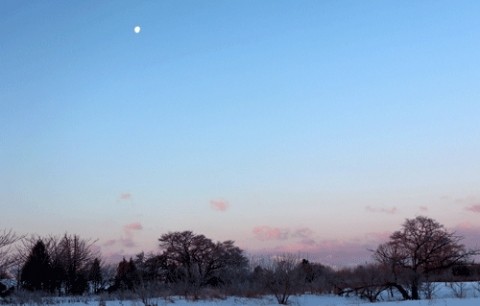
column 7, row 239
column 75, row 256
column 127, row 275
column 198, row 261
column 423, row 246
column 37, row 272
column 95, row 275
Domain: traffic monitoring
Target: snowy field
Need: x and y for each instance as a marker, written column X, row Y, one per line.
column 305, row 300
column 461, row 294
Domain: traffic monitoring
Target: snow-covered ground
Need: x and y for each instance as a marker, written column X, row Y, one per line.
column 443, row 295
column 305, row 300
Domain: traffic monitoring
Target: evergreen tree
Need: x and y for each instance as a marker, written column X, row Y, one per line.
column 37, row 273
column 127, row 275
column 95, row 275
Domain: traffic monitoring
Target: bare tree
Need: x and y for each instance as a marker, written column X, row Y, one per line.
column 7, row 239
column 282, row 276
column 77, row 254
column 70, row 260
column 196, row 261
column 420, row 248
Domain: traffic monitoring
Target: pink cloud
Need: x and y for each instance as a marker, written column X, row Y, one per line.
column 466, row 200
column 329, row 252
column 303, row 233
column 265, row 233
column 109, row 242
column 136, row 226
column 474, row 208
column 219, row 205
column 391, row 210
column 270, row 233
column 423, row 208
column 128, row 242
column 125, row 196
column 130, row 230
column 116, row 256
column 470, row 234
column 377, row 237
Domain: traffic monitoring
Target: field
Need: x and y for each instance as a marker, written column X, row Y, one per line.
column 461, row 294
column 304, row 300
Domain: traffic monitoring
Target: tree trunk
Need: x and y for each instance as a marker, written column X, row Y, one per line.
column 415, row 295
column 402, row 290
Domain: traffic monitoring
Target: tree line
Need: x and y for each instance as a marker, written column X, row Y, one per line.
column 422, row 252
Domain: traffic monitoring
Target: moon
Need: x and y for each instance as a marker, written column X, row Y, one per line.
column 137, row 29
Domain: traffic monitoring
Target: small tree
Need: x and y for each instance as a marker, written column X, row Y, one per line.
column 316, row 276
column 283, row 276
column 7, row 239
column 422, row 247
column 95, row 275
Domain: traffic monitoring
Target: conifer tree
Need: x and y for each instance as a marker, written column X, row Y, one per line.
column 36, row 273
column 95, row 275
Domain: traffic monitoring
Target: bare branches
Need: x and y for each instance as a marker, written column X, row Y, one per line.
column 7, row 239
column 197, row 261
column 422, row 247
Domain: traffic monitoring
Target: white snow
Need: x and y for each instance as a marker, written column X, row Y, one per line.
column 305, row 300
column 443, row 295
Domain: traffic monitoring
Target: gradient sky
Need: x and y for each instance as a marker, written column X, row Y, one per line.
column 288, row 126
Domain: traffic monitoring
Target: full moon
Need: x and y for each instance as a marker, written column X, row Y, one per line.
column 137, row 29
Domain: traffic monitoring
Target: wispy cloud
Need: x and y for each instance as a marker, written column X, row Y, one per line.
column 466, row 200
column 129, row 231
column 270, row 233
column 330, row 252
column 303, row 233
column 377, row 237
column 390, row 210
column 423, row 208
column 333, row 252
column 135, row 226
column 109, row 242
column 265, row 233
column 473, row 208
column 126, row 196
column 114, row 257
column 471, row 234
column 128, row 242
column 219, row 205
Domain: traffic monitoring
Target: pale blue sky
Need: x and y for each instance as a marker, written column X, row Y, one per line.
column 321, row 124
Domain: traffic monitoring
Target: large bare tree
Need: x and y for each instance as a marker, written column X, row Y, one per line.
column 198, row 261
column 422, row 247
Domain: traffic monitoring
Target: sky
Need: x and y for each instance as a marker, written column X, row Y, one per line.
column 307, row 127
